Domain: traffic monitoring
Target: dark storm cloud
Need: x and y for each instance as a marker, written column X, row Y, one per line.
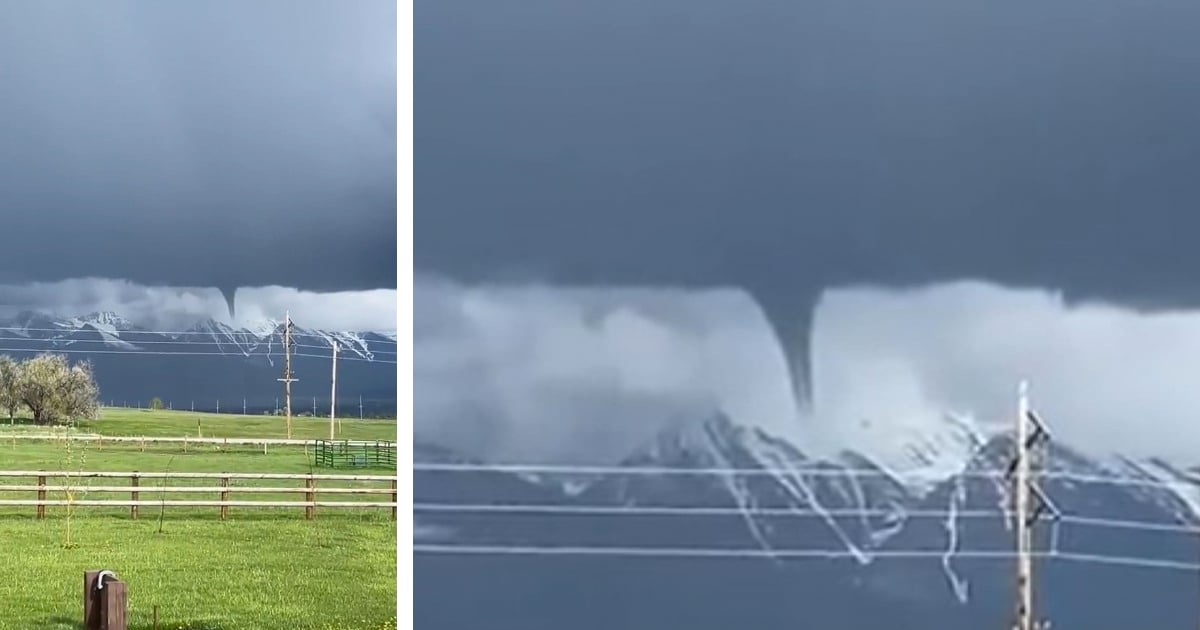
column 219, row 143
column 786, row 146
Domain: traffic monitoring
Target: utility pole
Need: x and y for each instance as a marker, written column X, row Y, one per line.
column 314, row 406
column 243, row 406
column 1031, row 502
column 287, row 371
column 218, row 405
column 360, row 416
column 333, row 392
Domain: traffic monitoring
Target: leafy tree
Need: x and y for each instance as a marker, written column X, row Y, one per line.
column 157, row 403
column 9, row 401
column 55, row 391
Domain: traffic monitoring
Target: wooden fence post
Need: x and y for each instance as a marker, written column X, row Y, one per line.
column 310, row 497
column 91, row 607
column 185, row 444
column 115, row 604
column 393, row 499
column 41, row 496
column 133, row 483
column 224, row 498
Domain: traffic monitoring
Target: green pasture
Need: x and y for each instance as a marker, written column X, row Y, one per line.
column 259, row 568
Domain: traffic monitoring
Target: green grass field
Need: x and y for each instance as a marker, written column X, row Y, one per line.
column 261, row 568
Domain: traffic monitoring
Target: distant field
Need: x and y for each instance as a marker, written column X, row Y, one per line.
column 262, row 568
column 178, row 423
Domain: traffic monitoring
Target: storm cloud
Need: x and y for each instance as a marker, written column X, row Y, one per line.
column 535, row 374
column 222, row 144
column 176, row 308
column 787, row 147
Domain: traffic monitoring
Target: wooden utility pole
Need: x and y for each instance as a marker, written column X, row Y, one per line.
column 1031, row 502
column 333, row 392
column 287, row 371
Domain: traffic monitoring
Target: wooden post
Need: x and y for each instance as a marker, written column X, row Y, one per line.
column 310, row 497
column 41, row 497
column 185, row 444
column 224, row 498
column 143, row 444
column 91, row 605
column 333, row 393
column 115, row 603
column 133, row 483
column 393, row 499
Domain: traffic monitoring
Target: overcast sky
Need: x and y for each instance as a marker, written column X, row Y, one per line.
column 543, row 374
column 789, row 147
column 224, row 143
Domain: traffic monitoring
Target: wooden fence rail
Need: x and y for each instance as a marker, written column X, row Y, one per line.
column 100, row 440
column 314, row 485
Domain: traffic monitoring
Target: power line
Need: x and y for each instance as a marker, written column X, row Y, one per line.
column 694, row 552
column 830, row 554
column 642, row 510
column 184, row 353
column 178, row 342
column 231, row 332
column 1181, row 528
column 600, row 470
column 667, row 510
column 555, row 469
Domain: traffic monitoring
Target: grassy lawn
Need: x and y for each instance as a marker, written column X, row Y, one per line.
column 262, row 568
column 280, row 573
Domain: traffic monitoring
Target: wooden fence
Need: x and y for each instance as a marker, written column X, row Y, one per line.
column 73, row 483
column 99, row 440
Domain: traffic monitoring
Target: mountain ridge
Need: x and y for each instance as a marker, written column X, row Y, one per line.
column 200, row 365
column 716, row 485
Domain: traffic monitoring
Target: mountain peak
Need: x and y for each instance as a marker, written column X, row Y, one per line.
column 104, row 320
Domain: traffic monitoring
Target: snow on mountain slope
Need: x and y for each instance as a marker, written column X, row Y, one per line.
column 712, row 483
column 107, row 331
column 783, row 498
column 105, row 321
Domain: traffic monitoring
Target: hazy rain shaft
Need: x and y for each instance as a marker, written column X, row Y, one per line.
column 224, row 144
column 808, row 145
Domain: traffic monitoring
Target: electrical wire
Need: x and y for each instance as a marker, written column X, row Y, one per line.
column 859, row 512
column 829, row 554
column 231, row 331
column 1182, row 528
column 186, row 353
column 588, row 470
column 671, row 470
column 692, row 552
column 650, row 510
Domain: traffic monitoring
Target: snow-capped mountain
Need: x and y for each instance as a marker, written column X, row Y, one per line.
column 210, row 361
column 713, row 485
